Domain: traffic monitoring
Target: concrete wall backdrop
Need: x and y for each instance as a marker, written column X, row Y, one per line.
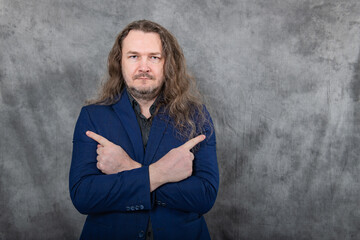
column 281, row 78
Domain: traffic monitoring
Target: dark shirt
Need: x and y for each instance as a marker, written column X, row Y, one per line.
column 145, row 126
column 144, row 123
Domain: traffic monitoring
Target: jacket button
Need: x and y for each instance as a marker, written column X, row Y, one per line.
column 136, row 207
column 141, row 207
column 163, row 204
column 141, row 234
column 158, row 203
column 132, row 208
column 127, row 208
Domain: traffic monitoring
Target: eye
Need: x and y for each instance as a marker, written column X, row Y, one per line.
column 133, row 56
column 155, row 59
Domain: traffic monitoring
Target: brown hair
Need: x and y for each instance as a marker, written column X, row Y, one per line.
column 180, row 97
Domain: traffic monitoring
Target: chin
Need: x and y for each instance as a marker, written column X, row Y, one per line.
column 145, row 93
column 145, row 86
column 144, row 89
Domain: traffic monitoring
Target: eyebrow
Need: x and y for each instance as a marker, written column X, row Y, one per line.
column 152, row 53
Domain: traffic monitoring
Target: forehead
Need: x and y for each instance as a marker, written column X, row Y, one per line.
column 140, row 41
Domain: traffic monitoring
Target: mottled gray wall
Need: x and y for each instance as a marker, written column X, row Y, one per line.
column 281, row 78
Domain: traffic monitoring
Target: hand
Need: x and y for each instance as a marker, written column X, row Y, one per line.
column 175, row 166
column 111, row 157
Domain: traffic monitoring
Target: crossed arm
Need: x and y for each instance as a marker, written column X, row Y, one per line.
column 175, row 166
column 101, row 181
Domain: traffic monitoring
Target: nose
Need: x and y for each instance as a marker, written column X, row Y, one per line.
column 144, row 67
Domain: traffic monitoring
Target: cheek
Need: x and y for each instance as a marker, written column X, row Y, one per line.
column 128, row 70
column 160, row 71
column 127, row 77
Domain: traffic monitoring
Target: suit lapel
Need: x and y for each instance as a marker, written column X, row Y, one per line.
column 158, row 128
column 127, row 117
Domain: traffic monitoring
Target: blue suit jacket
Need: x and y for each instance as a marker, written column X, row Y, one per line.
column 119, row 205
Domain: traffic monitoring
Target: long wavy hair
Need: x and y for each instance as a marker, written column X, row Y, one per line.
column 180, row 97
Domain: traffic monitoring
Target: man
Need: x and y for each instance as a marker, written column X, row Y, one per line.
column 144, row 153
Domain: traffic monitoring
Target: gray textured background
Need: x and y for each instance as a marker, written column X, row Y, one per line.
column 281, row 79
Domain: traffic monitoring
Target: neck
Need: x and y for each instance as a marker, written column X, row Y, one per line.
column 145, row 106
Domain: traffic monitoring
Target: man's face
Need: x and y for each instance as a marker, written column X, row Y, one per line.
column 142, row 64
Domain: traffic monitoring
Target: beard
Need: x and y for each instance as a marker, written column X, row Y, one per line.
column 144, row 94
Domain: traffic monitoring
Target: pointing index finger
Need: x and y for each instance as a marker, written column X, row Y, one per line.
column 100, row 139
column 193, row 142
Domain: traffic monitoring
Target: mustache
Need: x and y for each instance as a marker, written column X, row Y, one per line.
column 142, row 75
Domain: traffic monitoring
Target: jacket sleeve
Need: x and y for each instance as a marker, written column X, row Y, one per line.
column 198, row 192
column 91, row 191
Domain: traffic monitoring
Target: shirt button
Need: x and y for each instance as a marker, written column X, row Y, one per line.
column 127, row 208
column 141, row 234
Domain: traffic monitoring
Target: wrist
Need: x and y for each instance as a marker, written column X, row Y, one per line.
column 130, row 165
column 156, row 178
column 136, row 165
